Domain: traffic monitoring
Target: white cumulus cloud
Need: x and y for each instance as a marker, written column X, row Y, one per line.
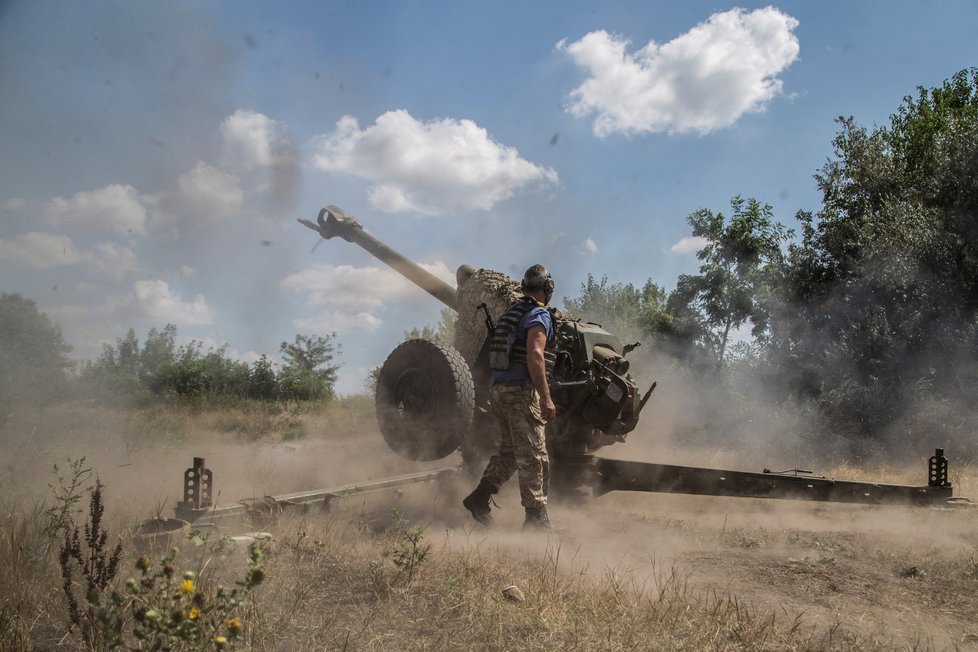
column 700, row 81
column 430, row 167
column 155, row 300
column 112, row 259
column 330, row 320
column 210, row 193
column 348, row 297
column 36, row 250
column 254, row 140
column 117, row 208
column 204, row 194
column 356, row 289
column 588, row 247
column 689, row 244
column 41, row 251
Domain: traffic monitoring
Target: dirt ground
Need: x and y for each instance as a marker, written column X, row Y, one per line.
column 908, row 573
column 904, row 573
column 901, row 574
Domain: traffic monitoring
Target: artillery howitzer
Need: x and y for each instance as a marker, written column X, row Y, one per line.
column 431, row 402
column 432, row 397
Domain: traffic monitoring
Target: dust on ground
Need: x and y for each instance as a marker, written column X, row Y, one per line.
column 906, row 574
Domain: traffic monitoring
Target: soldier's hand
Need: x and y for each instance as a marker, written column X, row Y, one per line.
column 547, row 408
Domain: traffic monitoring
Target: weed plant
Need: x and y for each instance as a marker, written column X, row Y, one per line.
column 97, row 564
column 411, row 549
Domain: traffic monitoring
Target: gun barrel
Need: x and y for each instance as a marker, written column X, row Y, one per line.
column 338, row 223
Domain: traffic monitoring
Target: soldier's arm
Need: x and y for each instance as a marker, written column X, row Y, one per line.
column 536, row 341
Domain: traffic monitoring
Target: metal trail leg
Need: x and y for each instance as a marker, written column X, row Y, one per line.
column 198, row 482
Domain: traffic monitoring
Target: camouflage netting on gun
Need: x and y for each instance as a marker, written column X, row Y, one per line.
column 494, row 289
column 498, row 292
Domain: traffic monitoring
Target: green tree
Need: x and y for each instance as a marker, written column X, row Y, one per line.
column 196, row 373
column 446, row 325
column 427, row 332
column 262, row 383
column 884, row 285
column 188, row 375
column 742, row 266
column 117, row 368
column 308, row 372
column 33, row 354
column 443, row 332
column 160, row 367
column 231, row 378
column 157, row 356
column 373, row 377
column 621, row 307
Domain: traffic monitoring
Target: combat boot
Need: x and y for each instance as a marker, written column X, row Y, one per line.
column 537, row 519
column 477, row 503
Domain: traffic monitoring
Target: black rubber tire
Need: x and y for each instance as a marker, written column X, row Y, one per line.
column 425, row 400
column 482, row 441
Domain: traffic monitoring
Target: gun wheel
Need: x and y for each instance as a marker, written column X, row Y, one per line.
column 425, row 400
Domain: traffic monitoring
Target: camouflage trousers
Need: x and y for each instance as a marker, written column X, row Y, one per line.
column 522, row 443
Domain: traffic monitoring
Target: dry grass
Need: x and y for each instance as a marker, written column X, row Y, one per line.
column 344, row 594
column 634, row 572
column 332, row 586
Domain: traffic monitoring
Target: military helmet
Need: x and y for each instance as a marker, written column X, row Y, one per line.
column 537, row 277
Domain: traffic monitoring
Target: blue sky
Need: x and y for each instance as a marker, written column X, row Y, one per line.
column 155, row 156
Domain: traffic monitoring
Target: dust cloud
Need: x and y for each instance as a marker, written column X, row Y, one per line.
column 140, row 455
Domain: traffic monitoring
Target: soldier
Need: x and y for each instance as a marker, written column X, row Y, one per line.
column 522, row 351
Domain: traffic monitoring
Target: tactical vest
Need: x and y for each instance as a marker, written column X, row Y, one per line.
column 505, row 348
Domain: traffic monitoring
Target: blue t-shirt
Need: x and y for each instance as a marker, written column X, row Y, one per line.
column 518, row 373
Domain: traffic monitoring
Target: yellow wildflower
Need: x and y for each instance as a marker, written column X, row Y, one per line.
column 187, row 587
column 194, row 613
column 234, row 624
column 220, row 641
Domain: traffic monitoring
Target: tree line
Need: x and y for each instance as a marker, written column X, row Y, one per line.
column 35, row 367
column 160, row 367
column 870, row 314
